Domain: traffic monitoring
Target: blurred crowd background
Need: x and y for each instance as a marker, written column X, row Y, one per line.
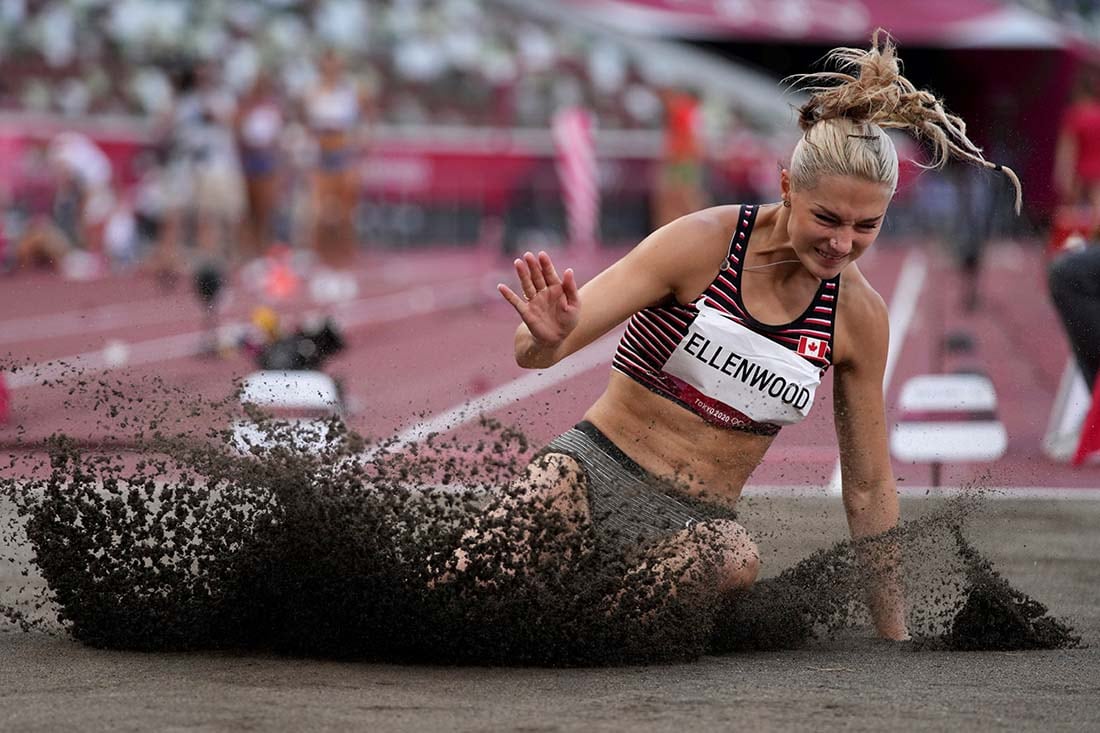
column 103, row 101
column 158, row 133
column 449, row 62
column 1080, row 14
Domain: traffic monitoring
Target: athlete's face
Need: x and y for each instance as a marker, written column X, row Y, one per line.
column 833, row 224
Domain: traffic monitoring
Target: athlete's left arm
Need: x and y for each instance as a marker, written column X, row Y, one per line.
column 867, row 479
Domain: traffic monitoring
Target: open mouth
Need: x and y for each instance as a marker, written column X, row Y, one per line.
column 828, row 257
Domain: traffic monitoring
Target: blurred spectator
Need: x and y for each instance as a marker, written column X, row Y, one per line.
column 679, row 187
column 149, row 196
column 260, row 125
column 975, row 205
column 205, row 181
column 334, row 110
column 120, row 236
column 1077, row 157
column 42, row 244
column 84, row 173
column 82, row 202
column 1074, row 278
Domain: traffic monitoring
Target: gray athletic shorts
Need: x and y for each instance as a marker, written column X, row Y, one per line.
column 629, row 506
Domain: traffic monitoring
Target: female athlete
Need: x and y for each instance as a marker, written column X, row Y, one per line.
column 735, row 313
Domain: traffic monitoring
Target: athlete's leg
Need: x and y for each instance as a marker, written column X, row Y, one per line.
column 320, row 212
column 265, row 201
column 345, row 246
column 715, row 555
column 545, row 510
column 332, row 226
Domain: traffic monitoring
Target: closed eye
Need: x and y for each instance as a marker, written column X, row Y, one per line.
column 868, row 226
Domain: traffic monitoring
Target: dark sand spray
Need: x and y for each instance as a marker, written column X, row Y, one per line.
column 316, row 541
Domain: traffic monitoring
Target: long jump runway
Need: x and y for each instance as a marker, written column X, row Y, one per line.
column 418, row 358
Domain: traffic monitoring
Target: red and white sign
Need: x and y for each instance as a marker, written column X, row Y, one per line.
column 573, row 138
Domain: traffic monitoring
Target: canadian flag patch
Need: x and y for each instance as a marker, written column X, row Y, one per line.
column 813, row 348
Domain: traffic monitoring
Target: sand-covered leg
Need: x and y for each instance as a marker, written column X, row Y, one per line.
column 541, row 517
column 708, row 560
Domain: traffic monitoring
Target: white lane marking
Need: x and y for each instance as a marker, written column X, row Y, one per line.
column 164, row 309
column 101, row 318
column 595, row 354
column 903, row 306
column 1037, row 493
column 368, row 311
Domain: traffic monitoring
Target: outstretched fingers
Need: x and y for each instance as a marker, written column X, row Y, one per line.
column 537, row 274
column 516, row 301
column 569, row 288
column 534, row 266
column 523, row 272
column 548, row 272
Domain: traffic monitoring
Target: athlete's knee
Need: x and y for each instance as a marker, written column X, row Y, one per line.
column 742, row 570
column 738, row 560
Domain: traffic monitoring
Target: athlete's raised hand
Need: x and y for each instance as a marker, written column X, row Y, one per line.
column 549, row 305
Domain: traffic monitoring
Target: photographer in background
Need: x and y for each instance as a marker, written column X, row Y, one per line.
column 1074, row 279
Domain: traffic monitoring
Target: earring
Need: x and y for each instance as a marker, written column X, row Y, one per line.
column 787, row 203
column 832, row 242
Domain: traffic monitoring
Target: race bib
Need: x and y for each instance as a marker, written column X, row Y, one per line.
column 729, row 373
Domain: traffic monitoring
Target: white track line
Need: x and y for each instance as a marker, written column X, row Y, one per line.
column 903, row 306
column 593, row 355
column 381, row 309
column 915, row 493
column 101, row 318
column 120, row 315
column 927, row 492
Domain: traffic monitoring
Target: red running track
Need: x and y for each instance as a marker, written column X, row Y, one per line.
column 426, row 333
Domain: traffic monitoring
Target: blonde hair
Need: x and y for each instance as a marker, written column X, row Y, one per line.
column 844, row 122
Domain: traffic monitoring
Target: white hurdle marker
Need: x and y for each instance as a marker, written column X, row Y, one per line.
column 292, row 390
column 303, row 398
column 948, row 418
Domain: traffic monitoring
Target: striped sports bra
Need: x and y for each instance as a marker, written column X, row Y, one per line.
column 712, row 357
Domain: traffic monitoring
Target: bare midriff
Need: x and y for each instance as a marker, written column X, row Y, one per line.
column 672, row 442
column 330, row 139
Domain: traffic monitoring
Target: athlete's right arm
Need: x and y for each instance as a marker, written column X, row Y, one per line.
column 559, row 319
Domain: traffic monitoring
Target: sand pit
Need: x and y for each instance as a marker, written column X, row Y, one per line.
column 847, row 681
column 322, row 552
column 267, row 564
